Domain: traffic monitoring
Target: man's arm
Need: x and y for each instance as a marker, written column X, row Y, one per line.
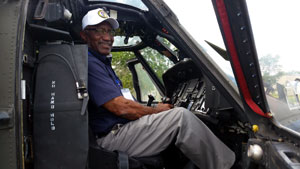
column 132, row 110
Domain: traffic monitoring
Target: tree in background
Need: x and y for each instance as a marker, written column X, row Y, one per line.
column 119, row 60
column 158, row 62
column 270, row 64
column 271, row 71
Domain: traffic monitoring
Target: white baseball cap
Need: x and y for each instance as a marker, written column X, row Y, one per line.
column 96, row 16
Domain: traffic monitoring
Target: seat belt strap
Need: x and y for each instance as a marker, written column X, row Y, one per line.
column 123, row 160
column 84, row 105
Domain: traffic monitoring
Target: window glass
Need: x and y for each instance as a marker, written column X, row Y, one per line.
column 120, row 41
column 158, row 62
column 167, row 43
column 276, row 32
column 135, row 3
column 119, row 60
column 147, row 87
column 200, row 21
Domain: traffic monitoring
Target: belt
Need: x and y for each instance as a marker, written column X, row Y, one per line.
column 114, row 129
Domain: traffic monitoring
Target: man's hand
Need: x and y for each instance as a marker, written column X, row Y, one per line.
column 132, row 110
column 163, row 107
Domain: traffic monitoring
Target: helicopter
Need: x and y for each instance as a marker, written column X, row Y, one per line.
column 43, row 108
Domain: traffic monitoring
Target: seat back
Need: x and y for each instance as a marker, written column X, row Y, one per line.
column 60, row 124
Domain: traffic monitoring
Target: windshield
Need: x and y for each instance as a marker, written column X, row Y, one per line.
column 135, row 3
column 158, row 62
column 276, row 31
column 200, row 21
column 120, row 41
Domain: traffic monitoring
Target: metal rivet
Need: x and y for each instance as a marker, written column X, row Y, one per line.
column 245, row 41
column 239, row 14
column 254, row 75
column 251, row 64
column 258, row 102
column 25, row 58
column 257, row 97
column 243, row 28
column 248, row 53
column 255, row 86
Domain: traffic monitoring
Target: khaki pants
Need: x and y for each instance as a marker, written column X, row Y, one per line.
column 152, row 134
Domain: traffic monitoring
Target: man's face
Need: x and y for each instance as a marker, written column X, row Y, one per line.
column 98, row 37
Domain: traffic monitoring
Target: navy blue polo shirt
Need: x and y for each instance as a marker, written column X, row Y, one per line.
column 103, row 86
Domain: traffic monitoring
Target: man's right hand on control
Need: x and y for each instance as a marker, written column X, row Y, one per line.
column 163, row 107
column 132, row 110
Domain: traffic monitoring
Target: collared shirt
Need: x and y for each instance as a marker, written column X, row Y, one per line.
column 103, row 86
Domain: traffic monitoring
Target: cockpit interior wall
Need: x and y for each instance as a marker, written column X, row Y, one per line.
column 60, row 129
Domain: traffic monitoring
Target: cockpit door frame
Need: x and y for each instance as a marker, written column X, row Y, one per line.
column 237, row 34
column 13, row 19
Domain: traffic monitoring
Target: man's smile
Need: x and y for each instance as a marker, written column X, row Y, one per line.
column 105, row 44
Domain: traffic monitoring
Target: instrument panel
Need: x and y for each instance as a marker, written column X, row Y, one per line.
column 186, row 87
column 191, row 95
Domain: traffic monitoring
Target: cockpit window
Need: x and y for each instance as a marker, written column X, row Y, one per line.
column 158, row 62
column 276, row 37
column 135, row 3
column 200, row 21
column 171, row 51
column 120, row 41
column 167, row 43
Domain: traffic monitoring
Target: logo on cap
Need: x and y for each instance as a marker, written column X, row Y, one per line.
column 102, row 14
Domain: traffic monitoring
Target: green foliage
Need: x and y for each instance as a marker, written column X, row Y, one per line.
column 159, row 63
column 119, row 60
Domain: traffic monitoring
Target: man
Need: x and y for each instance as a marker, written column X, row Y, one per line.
column 128, row 126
